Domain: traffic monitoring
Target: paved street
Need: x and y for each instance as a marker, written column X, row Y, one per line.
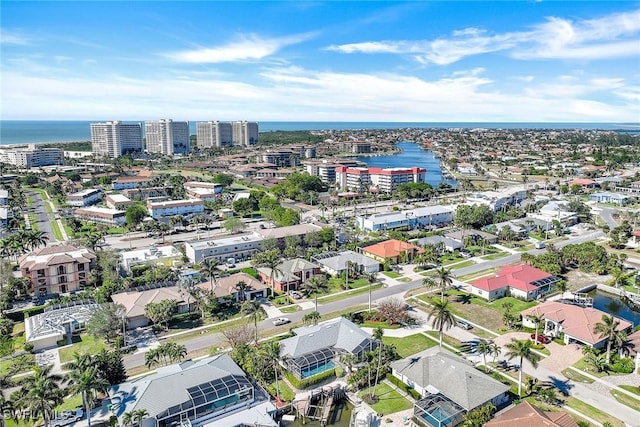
column 43, row 219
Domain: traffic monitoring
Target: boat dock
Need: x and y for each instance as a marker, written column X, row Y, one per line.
column 580, row 299
column 319, row 404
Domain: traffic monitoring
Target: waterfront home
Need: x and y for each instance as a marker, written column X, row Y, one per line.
column 212, row 392
column 290, row 274
column 525, row 414
column 573, row 323
column 520, row 281
column 449, row 386
column 336, row 263
column 313, row 349
column 393, row 251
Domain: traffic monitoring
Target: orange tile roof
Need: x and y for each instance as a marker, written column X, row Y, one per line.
column 391, row 248
column 526, row 415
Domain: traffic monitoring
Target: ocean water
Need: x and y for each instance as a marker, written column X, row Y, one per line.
column 412, row 155
column 34, row 131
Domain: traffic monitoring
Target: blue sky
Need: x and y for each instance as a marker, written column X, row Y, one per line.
column 527, row 61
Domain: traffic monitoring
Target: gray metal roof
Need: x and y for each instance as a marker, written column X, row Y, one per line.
column 338, row 333
column 453, row 376
column 170, row 385
column 337, row 261
column 434, row 240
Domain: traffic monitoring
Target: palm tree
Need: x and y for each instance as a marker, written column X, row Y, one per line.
column 34, row 239
column 522, row 350
column 349, row 266
column 271, row 260
column 371, row 278
column 175, row 352
column 607, row 328
column 378, row 333
column 41, row 392
column 139, row 415
column 596, row 361
column 537, row 321
column 311, row 317
column 254, row 311
column 484, row 347
column 445, row 279
column 86, row 381
column 316, row 285
column 241, row 288
column 271, row 351
column 349, row 359
column 442, row 316
column 209, row 267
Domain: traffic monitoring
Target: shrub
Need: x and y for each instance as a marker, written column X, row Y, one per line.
column 623, row 366
column 302, row 384
column 339, row 372
column 28, row 347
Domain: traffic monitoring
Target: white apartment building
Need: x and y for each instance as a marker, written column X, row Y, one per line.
column 4, row 197
column 423, row 217
column 245, row 133
column 118, row 201
column 499, row 199
column 167, row 137
column 86, row 197
column 203, row 190
column 114, row 138
column 101, row 215
column 165, row 254
column 214, row 134
column 240, row 247
column 385, row 180
column 174, row 207
column 32, row 156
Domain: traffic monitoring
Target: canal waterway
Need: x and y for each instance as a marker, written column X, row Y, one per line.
column 411, row 155
column 613, row 305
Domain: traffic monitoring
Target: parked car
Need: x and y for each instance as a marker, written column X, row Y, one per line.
column 67, row 417
column 541, row 338
column 295, row 295
column 462, row 324
column 465, row 254
column 281, row 321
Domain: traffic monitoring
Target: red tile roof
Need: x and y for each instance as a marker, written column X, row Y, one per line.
column 517, row 276
column 391, row 248
column 526, row 415
column 577, row 322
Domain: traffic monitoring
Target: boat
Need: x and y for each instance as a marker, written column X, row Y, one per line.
column 361, row 417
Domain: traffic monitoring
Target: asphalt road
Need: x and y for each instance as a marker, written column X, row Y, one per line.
column 43, row 219
column 607, row 216
column 217, row 340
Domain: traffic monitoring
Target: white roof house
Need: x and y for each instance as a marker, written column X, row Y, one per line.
column 162, row 254
column 46, row 329
column 336, row 262
column 424, row 216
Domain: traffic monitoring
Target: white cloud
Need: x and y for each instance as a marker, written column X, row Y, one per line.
column 611, row 36
column 10, row 38
column 245, row 48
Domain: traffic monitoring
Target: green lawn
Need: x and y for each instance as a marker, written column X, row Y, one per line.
column 336, row 284
column 632, row 388
column 592, row 412
column 496, row 256
column 463, row 264
column 390, row 401
column 409, row 345
column 290, row 309
column 56, row 230
column 33, row 221
column 625, row 399
column 445, row 339
column 285, row 391
column 383, row 325
column 576, row 376
column 83, row 343
column 70, row 403
column 391, row 274
column 337, row 297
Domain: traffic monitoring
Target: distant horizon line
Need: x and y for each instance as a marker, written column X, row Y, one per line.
column 323, row 121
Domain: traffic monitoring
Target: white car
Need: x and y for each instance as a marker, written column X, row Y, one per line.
column 281, row 321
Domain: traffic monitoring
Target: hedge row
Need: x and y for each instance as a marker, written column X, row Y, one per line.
column 302, row 384
column 404, row 387
column 19, row 316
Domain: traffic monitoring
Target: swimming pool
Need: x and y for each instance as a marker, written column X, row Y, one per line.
column 437, row 417
column 314, row 370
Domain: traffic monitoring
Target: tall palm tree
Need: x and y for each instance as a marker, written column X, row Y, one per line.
column 349, row 359
column 175, row 352
column 41, row 393
column 377, row 335
column 209, row 266
column 85, row 382
column 316, row 285
column 271, row 351
column 484, row 347
column 537, row 321
column 241, row 288
column 34, row 239
column 442, row 316
column 135, row 416
column 271, row 260
column 522, row 350
column 311, row 317
column 254, row 311
column 371, row 278
column 608, row 328
column 445, row 279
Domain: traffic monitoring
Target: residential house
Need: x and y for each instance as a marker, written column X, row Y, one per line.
column 392, row 250
column 314, row 349
column 135, row 300
column 58, row 268
column 556, row 211
column 525, row 414
column 584, row 183
column 449, row 386
column 57, row 323
column 573, row 323
column 447, row 243
column 212, row 392
column 459, row 235
column 290, row 274
column 609, row 197
column 336, row 263
column 520, row 281
column 226, row 287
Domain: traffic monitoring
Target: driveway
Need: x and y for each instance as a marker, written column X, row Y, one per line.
column 561, row 357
